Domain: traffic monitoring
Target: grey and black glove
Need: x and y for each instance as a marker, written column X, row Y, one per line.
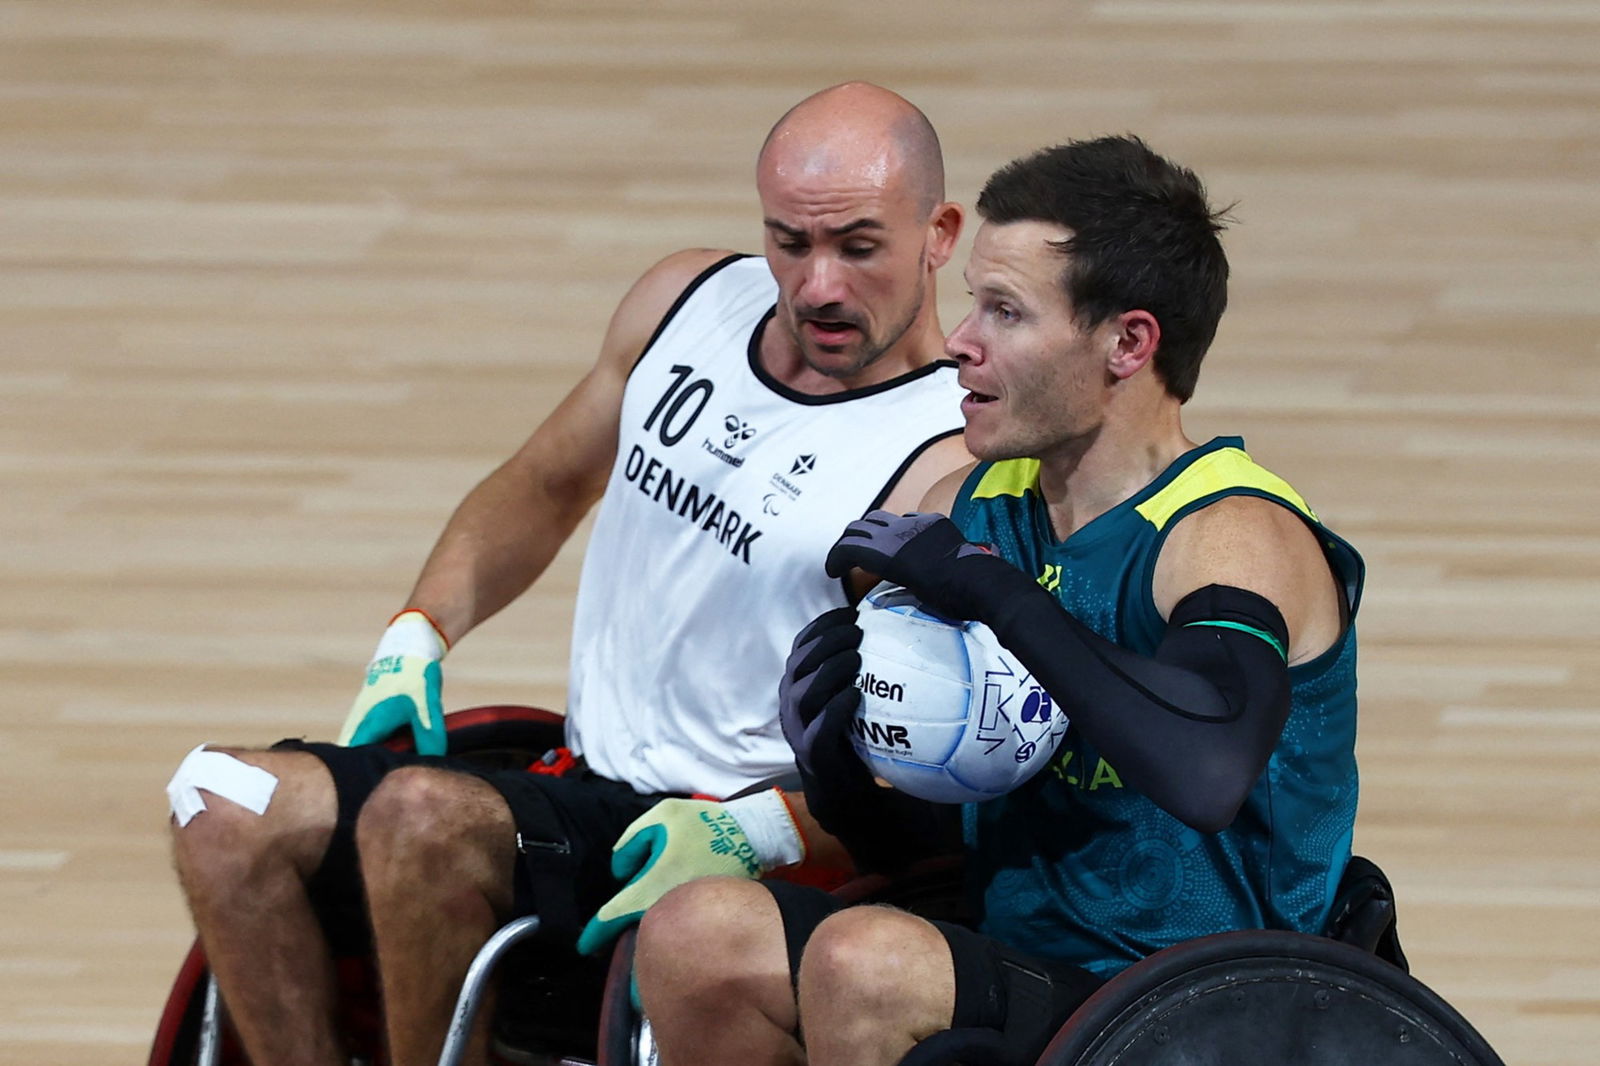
column 884, row 830
column 927, row 554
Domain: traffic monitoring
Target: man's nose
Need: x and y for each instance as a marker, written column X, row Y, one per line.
column 823, row 283
column 958, row 345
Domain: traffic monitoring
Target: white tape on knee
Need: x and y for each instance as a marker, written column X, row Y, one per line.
column 221, row 775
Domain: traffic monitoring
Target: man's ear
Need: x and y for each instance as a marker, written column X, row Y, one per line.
column 944, row 228
column 1135, row 337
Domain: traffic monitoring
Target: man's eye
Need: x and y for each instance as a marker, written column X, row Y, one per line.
column 791, row 247
column 859, row 251
column 1006, row 313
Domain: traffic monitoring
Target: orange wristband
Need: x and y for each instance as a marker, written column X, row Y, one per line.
column 429, row 619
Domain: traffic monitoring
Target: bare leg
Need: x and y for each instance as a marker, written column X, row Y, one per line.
column 713, row 974
column 873, row 982
column 244, row 875
column 437, row 854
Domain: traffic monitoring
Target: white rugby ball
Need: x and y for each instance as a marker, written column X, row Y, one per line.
column 946, row 713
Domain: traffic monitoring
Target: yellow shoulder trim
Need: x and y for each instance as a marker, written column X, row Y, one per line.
column 1009, row 477
column 1225, row 468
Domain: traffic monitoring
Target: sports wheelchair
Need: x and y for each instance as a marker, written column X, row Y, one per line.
column 1248, row 998
column 1245, row 998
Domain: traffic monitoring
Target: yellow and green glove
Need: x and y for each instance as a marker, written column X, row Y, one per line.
column 402, row 687
column 679, row 840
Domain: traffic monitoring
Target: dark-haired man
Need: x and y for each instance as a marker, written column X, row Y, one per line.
column 1183, row 603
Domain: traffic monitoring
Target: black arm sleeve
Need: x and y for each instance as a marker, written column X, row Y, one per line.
column 1192, row 727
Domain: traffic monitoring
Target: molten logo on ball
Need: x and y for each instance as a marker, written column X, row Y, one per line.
column 883, row 690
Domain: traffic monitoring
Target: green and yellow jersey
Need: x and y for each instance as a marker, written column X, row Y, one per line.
column 1075, row 865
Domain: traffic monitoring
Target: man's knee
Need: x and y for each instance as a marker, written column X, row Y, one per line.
column 242, row 809
column 859, row 945
column 710, row 933
column 418, row 814
column 862, row 958
column 730, row 906
column 714, row 949
column 413, row 800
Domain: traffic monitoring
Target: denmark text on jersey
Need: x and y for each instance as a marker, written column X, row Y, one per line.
column 686, row 499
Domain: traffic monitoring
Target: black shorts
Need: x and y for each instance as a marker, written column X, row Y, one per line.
column 1022, row 997
column 566, row 827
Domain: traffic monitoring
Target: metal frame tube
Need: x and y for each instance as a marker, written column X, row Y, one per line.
column 483, row 964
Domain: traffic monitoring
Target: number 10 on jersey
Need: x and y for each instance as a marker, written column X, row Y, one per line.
column 679, row 406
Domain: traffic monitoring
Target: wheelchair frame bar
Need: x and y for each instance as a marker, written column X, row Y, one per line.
column 471, row 997
column 209, row 1051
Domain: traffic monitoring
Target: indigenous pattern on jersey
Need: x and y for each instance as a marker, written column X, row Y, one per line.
column 1076, row 866
column 706, row 556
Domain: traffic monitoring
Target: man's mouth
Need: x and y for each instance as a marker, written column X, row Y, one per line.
column 830, row 331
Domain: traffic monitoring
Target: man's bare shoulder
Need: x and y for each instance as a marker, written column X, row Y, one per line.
column 651, row 297
column 941, row 496
column 1255, row 544
column 668, row 277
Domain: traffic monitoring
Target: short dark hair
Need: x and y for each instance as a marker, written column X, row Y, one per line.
column 1143, row 236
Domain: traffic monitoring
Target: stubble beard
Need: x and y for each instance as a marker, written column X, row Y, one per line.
column 867, row 350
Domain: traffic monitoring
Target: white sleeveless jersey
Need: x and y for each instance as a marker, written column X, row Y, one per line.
column 706, row 557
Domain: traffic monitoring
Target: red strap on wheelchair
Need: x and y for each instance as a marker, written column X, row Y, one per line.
column 557, row 762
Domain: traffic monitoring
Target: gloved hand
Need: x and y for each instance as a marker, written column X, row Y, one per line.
column 881, row 828
column 679, row 840
column 402, row 687
column 928, row 555
column 817, row 697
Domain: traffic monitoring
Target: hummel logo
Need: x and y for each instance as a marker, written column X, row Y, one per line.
column 738, row 430
column 803, row 464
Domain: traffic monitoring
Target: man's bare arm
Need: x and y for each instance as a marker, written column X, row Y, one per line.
column 508, row 528
column 1254, row 544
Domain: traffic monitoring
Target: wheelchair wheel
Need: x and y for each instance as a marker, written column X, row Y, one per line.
column 624, row 1036
column 497, row 736
column 1263, row 998
column 178, row 1034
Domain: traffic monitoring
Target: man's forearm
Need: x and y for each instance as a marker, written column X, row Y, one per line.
column 500, row 539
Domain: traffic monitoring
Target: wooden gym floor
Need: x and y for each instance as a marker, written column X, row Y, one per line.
column 279, row 281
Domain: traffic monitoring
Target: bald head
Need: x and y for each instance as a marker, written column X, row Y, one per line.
column 857, row 132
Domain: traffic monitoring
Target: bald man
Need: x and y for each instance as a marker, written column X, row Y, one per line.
column 741, row 411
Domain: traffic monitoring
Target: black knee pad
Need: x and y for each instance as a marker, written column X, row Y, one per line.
column 999, row 989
